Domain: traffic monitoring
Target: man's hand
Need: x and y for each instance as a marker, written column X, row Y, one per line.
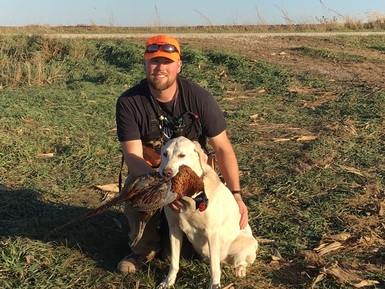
column 177, row 205
column 243, row 211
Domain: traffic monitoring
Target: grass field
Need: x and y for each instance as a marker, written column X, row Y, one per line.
column 311, row 153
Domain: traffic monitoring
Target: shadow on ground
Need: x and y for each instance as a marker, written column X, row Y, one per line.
column 103, row 238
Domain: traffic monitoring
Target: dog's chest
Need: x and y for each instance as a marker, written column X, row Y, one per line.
column 193, row 221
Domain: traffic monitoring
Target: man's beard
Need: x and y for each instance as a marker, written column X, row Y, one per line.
column 159, row 84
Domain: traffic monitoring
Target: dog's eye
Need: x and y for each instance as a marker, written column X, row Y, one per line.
column 181, row 155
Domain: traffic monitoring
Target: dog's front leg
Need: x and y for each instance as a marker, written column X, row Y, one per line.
column 176, row 238
column 215, row 261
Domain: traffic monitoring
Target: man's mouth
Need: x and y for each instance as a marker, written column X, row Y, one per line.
column 159, row 75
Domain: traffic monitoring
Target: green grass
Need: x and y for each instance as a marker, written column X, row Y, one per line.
column 340, row 50
column 332, row 55
column 58, row 97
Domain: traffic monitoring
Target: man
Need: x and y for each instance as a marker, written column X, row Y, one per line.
column 160, row 107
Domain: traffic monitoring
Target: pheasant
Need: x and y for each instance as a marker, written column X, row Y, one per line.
column 147, row 194
column 185, row 183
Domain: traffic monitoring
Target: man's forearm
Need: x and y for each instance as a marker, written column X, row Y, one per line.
column 228, row 166
column 136, row 165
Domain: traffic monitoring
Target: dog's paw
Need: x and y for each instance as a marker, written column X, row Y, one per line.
column 167, row 283
column 240, row 271
column 162, row 285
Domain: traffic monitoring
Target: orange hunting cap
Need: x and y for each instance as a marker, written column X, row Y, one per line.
column 162, row 46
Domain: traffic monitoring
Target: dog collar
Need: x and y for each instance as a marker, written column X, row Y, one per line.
column 201, row 202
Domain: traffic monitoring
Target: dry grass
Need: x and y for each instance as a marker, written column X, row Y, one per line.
column 375, row 21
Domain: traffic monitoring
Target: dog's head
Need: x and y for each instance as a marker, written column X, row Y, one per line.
column 182, row 151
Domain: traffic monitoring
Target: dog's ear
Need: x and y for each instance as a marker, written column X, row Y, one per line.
column 202, row 156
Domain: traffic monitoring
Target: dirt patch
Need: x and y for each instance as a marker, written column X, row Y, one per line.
column 281, row 51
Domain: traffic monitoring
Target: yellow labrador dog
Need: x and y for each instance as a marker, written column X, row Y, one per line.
column 214, row 229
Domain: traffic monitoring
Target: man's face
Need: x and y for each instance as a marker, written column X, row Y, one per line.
column 161, row 72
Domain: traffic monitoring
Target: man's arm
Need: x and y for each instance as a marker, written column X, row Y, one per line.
column 228, row 165
column 133, row 157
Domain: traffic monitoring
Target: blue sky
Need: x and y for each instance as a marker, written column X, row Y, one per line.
column 182, row 13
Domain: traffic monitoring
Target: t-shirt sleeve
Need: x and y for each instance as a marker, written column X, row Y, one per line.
column 126, row 124
column 211, row 116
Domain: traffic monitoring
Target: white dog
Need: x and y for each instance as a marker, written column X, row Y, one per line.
column 214, row 232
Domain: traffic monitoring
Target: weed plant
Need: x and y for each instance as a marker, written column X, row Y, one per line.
column 58, row 140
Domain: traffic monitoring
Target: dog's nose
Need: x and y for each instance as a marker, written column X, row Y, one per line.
column 167, row 172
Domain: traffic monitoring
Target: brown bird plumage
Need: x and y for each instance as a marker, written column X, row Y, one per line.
column 186, row 182
column 147, row 194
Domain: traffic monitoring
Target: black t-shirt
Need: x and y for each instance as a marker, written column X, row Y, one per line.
column 135, row 121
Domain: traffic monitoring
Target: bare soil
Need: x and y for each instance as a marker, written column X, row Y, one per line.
column 280, row 50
